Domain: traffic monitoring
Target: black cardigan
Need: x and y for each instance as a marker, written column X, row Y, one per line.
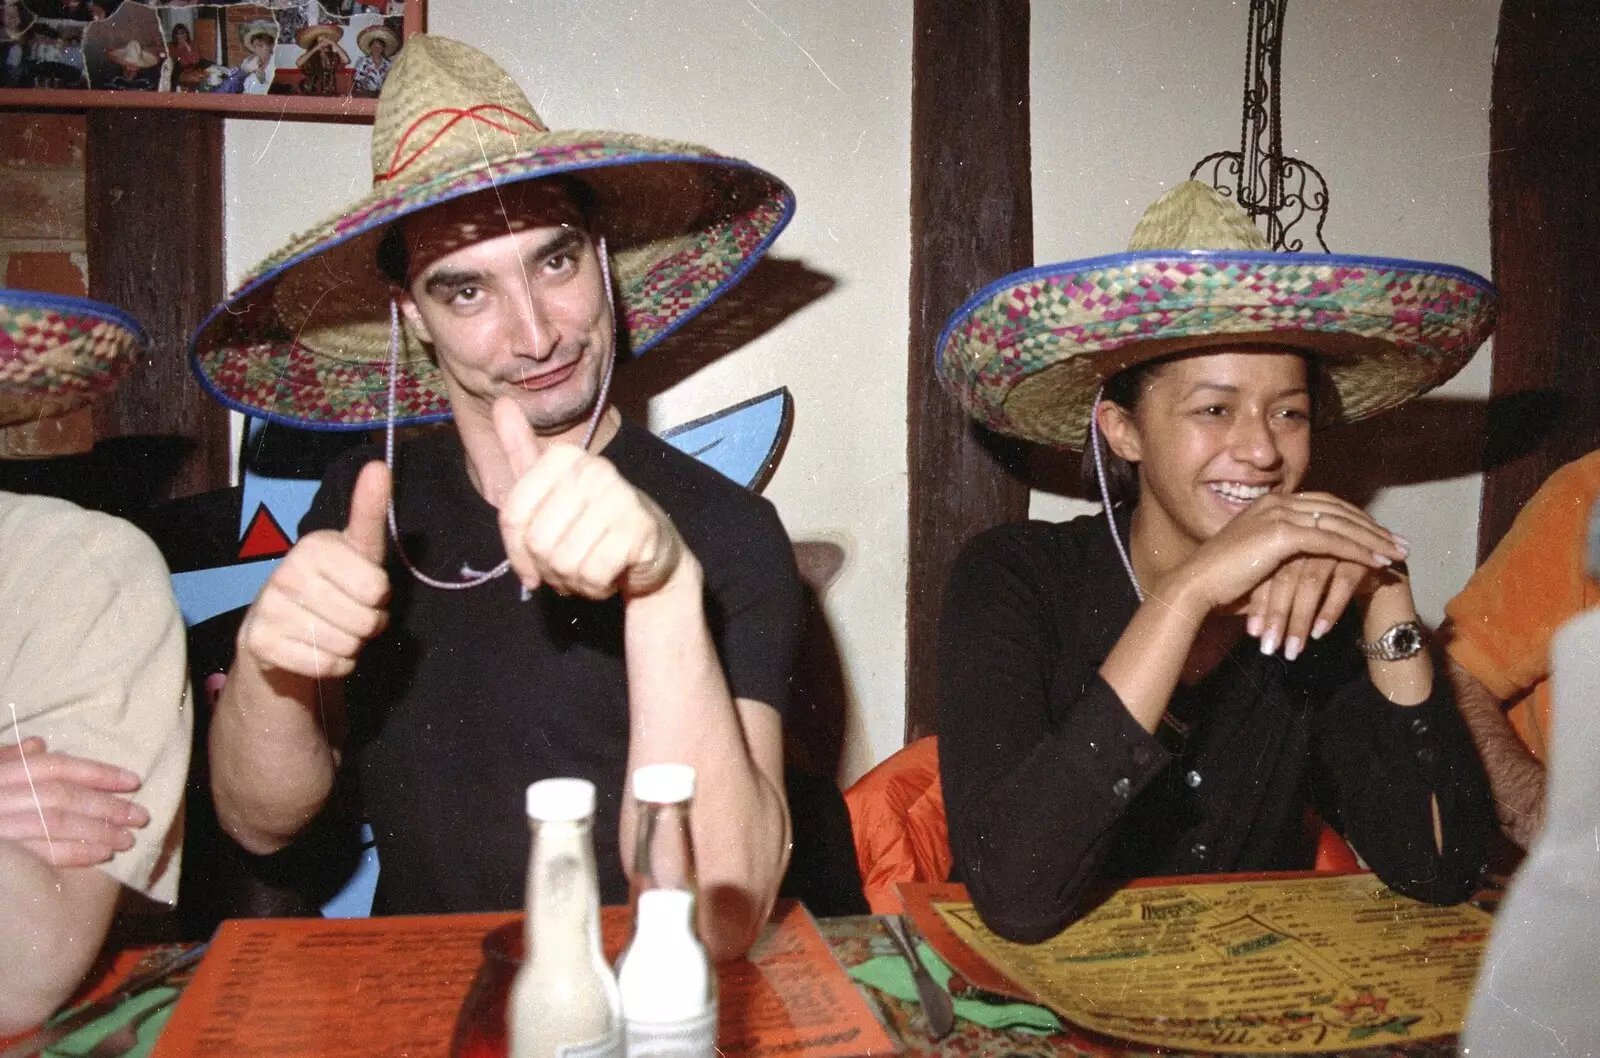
column 1051, row 786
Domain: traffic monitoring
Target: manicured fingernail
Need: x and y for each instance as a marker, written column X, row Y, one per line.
column 1291, row 648
column 1253, row 626
column 1269, row 644
column 1382, row 560
column 1320, row 629
column 1402, row 541
column 128, row 778
column 124, row 840
column 138, row 815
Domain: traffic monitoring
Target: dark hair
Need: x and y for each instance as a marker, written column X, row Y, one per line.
column 1122, row 477
column 1124, row 390
column 394, row 260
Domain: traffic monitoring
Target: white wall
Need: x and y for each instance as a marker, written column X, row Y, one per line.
column 1390, row 101
column 817, row 91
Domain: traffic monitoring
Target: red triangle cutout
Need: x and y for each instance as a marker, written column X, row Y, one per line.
column 263, row 539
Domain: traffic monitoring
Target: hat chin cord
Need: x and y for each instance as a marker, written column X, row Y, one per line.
column 471, row 578
column 1105, row 493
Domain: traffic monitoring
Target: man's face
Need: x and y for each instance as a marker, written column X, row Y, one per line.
column 506, row 285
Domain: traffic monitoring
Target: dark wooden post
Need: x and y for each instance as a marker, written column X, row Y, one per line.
column 154, row 194
column 971, row 222
column 1544, row 184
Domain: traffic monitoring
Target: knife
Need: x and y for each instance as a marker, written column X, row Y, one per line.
column 937, row 1009
column 76, row 1020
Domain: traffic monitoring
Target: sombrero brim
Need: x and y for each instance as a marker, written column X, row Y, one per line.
column 59, row 352
column 383, row 33
column 307, row 37
column 141, row 61
column 1026, row 355
column 304, row 340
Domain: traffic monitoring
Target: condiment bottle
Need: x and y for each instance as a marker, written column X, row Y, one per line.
column 564, row 1002
column 669, row 992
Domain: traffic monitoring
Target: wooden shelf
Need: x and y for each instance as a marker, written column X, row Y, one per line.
column 272, row 107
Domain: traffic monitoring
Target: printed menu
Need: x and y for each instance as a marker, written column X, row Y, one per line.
column 1302, row 965
column 394, row 986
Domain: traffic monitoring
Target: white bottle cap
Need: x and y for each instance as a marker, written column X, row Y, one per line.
column 561, row 800
column 666, row 910
column 663, row 784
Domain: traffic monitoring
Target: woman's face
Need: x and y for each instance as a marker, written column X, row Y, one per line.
column 1213, row 433
column 180, row 34
column 262, row 46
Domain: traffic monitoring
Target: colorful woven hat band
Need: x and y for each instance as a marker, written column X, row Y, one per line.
column 58, row 353
column 304, row 339
column 1026, row 355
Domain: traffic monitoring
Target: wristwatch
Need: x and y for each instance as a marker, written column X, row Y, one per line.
column 1402, row 641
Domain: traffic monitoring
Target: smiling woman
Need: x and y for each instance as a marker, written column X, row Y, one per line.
column 1167, row 687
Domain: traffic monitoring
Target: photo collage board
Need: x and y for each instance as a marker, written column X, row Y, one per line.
column 277, row 47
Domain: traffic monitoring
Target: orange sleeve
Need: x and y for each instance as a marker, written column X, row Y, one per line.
column 1532, row 584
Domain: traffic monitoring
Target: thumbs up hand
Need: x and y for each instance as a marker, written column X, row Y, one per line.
column 328, row 596
column 573, row 522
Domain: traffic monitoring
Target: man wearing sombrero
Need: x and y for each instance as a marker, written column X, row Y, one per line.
column 94, row 718
column 1167, row 687
column 490, row 277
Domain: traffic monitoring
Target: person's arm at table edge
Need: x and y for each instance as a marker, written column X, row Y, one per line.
column 52, row 921
column 682, row 711
column 272, row 762
column 1515, row 774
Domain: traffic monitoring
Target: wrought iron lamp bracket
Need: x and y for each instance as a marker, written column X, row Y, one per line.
column 1265, row 182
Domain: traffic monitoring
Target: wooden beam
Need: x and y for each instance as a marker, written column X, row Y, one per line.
column 971, row 222
column 1544, row 181
column 154, row 192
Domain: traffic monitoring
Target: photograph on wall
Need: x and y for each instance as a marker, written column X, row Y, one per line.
column 40, row 52
column 125, row 51
column 288, row 47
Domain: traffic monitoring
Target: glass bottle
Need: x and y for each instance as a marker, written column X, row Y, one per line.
column 669, row 991
column 564, row 1002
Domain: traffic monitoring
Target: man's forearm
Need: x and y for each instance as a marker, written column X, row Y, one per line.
column 272, row 762
column 52, row 923
column 1515, row 774
column 681, row 711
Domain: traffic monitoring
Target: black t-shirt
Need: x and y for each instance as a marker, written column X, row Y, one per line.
column 470, row 695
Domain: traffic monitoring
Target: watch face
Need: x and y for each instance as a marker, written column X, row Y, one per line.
column 1405, row 640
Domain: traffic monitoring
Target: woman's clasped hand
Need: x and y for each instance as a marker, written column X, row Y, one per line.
column 1291, row 564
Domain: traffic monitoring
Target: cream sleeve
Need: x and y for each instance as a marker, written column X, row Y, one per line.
column 92, row 660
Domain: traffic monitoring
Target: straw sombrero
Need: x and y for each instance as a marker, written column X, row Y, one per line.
column 260, row 27
column 309, row 36
column 1026, row 355
column 305, row 338
column 391, row 40
column 58, row 352
column 134, row 56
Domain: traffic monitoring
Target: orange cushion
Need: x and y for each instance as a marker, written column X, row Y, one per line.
column 897, row 817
